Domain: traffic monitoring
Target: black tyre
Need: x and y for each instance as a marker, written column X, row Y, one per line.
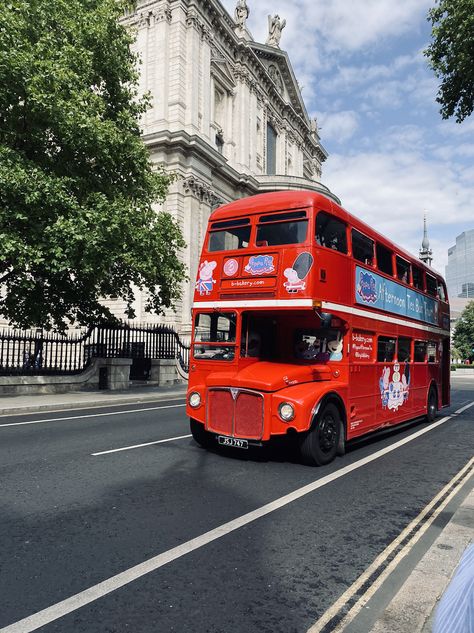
column 199, row 433
column 320, row 444
column 431, row 404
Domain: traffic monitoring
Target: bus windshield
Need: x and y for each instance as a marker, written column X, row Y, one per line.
column 218, row 329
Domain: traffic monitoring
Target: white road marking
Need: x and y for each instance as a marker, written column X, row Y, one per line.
column 62, row 608
column 92, row 415
column 352, row 591
column 129, row 448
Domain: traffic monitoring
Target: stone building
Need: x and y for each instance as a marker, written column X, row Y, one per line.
column 460, row 267
column 227, row 116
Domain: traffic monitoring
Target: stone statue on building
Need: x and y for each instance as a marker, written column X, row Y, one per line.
column 275, row 27
column 241, row 13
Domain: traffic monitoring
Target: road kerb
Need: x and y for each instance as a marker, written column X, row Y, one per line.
column 412, row 608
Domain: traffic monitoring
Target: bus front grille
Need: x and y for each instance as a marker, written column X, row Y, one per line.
column 235, row 412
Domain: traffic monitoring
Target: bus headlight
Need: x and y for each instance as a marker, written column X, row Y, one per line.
column 286, row 411
column 194, row 399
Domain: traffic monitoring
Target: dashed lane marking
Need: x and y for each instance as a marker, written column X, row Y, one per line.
column 92, row 415
column 129, row 448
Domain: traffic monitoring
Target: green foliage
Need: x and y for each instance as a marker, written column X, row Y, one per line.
column 451, row 55
column 463, row 338
column 77, row 188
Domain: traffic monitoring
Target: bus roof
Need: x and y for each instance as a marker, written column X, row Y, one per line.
column 285, row 200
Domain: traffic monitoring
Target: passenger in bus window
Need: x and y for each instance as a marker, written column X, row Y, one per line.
column 335, row 348
column 254, row 345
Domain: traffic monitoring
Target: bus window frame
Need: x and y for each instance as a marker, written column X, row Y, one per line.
column 259, row 243
column 395, row 348
column 423, row 283
column 425, row 356
column 318, row 244
column 390, row 252
column 370, row 264
column 234, row 344
column 410, row 349
column 431, row 294
column 402, row 260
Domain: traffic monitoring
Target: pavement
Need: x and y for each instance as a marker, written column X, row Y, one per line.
column 17, row 405
column 410, row 610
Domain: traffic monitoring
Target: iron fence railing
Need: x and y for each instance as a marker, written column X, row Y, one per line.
column 40, row 353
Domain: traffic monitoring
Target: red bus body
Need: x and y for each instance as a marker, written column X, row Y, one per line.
column 291, row 308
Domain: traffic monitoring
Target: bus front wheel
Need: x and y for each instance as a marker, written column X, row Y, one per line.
column 432, row 405
column 319, row 445
column 199, row 433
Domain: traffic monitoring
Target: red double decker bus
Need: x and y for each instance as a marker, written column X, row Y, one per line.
column 308, row 323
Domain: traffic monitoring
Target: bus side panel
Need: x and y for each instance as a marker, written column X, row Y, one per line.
column 362, row 399
column 419, row 387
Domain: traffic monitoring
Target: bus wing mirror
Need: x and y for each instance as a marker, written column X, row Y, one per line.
column 326, row 318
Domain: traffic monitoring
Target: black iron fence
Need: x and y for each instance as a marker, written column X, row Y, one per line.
column 40, row 353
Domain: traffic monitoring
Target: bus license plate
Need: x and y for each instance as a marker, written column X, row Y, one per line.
column 232, row 441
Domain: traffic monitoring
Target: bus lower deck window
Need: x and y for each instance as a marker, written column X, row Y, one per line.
column 432, row 351
column 404, row 350
column 385, row 349
column 420, row 351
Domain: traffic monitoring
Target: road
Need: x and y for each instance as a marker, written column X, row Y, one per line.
column 100, row 541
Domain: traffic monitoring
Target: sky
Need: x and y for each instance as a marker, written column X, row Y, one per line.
column 363, row 75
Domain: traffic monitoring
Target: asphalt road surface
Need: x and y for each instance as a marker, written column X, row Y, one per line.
column 165, row 536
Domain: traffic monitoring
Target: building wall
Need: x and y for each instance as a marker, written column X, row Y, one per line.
column 460, row 267
column 214, row 91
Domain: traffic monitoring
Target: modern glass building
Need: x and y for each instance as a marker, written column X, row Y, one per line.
column 460, row 267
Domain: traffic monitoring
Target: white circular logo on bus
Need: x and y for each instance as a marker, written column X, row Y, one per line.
column 230, row 267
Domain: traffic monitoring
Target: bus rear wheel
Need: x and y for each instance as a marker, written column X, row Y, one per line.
column 432, row 405
column 199, row 433
column 319, row 445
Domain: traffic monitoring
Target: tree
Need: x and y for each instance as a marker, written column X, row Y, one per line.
column 463, row 338
column 77, row 188
column 451, row 55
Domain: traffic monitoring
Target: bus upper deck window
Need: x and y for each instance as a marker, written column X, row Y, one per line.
column 384, row 259
column 331, row 232
column 282, row 228
column 418, row 278
column 441, row 291
column 229, row 235
column 362, row 248
column 431, row 285
column 403, row 270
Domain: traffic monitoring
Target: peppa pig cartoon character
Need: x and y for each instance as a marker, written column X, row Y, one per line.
column 293, row 283
column 295, row 276
column 204, row 283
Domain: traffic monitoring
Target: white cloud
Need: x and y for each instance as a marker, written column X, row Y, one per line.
column 338, row 126
column 390, row 191
column 335, row 26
